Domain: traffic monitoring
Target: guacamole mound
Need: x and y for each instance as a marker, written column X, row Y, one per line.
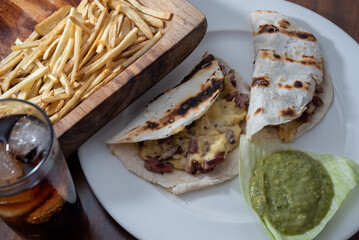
column 292, row 190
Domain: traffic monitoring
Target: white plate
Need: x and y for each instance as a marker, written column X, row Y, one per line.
column 219, row 212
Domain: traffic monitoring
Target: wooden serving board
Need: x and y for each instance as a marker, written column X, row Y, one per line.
column 181, row 35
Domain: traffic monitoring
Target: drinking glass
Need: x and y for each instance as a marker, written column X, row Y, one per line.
column 38, row 199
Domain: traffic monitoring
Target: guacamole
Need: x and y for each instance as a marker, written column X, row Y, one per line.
column 292, row 190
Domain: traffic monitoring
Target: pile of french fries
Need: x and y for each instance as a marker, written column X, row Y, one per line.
column 75, row 51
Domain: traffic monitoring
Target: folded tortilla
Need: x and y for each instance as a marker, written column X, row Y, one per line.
column 287, row 71
column 167, row 115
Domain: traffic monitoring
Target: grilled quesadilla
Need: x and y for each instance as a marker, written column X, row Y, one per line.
column 291, row 90
column 186, row 138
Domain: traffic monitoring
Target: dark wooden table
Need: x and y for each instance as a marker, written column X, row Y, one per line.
column 344, row 13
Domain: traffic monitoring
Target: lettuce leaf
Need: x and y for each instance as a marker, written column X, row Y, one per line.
column 343, row 172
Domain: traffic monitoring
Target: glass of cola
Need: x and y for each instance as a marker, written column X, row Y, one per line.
column 38, row 199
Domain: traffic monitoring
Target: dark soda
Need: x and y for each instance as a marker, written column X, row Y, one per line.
column 42, row 203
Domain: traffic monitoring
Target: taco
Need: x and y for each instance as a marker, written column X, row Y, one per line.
column 291, row 90
column 186, row 138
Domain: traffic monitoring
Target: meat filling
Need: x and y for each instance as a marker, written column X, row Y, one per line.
column 205, row 143
column 287, row 130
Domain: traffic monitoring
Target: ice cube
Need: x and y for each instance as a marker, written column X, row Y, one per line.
column 29, row 139
column 10, row 168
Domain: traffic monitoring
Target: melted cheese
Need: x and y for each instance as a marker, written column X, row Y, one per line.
column 212, row 132
column 287, row 130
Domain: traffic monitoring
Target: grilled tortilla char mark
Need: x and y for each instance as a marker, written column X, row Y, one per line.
column 205, row 62
column 194, row 101
column 296, row 85
column 269, row 29
column 283, row 23
column 288, row 112
column 181, row 110
column 260, row 81
column 200, row 154
column 306, row 60
column 258, row 111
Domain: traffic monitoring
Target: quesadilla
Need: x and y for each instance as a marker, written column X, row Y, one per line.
column 291, row 90
column 186, row 138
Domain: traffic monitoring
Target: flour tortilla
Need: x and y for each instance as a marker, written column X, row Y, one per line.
column 288, row 65
column 178, row 181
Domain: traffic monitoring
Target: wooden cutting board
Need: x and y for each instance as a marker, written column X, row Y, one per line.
column 181, row 35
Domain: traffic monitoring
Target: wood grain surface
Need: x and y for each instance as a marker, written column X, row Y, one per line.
column 344, row 13
column 186, row 29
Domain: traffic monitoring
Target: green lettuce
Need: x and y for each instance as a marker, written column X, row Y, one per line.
column 343, row 172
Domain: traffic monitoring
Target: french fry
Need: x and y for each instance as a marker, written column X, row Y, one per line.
column 48, row 39
column 95, row 82
column 42, row 104
column 139, row 22
column 77, row 52
column 105, row 33
column 90, row 13
column 52, row 99
column 71, row 57
column 40, row 65
column 74, row 100
column 66, row 84
column 120, row 18
column 59, row 105
column 97, row 12
column 63, row 39
column 126, row 27
column 10, row 64
column 54, row 107
column 144, row 49
column 6, row 83
column 59, row 66
column 91, row 52
column 80, row 8
column 35, row 88
column 80, row 24
column 26, row 45
column 114, row 73
column 140, row 39
column 117, row 62
column 47, row 86
column 8, row 59
column 153, row 21
column 149, row 11
column 131, row 50
column 33, row 36
column 97, row 29
column 37, row 100
column 98, row 86
column 76, row 85
column 125, row 43
column 84, row 12
column 50, row 49
column 112, row 35
column 24, row 92
column 100, row 6
column 59, row 90
column 49, row 23
column 27, row 81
